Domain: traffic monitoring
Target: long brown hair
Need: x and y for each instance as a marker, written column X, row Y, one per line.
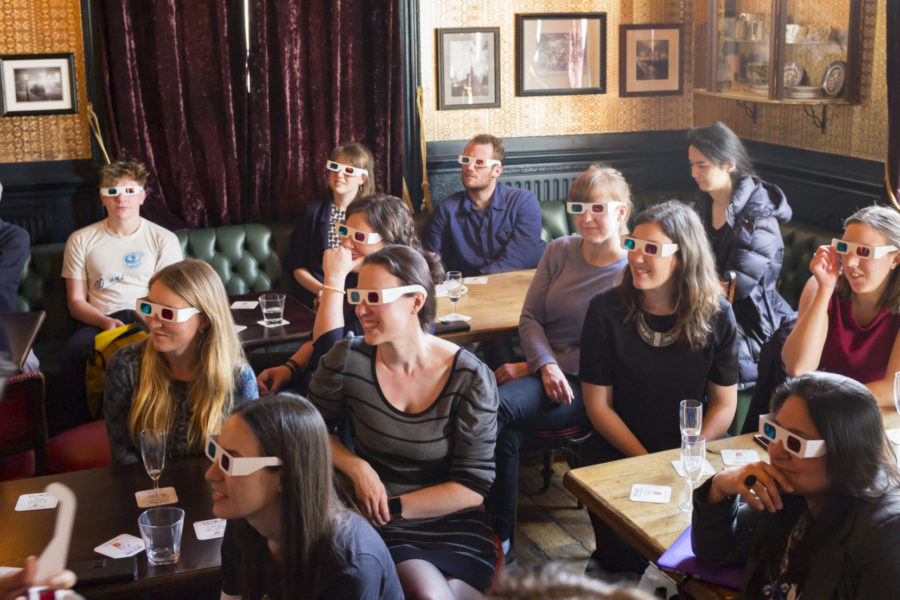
column 389, row 217
column 358, row 156
column 885, row 221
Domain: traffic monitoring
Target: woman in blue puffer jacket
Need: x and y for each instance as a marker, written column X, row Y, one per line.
column 741, row 214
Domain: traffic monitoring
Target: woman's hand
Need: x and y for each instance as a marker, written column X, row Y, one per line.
column 758, row 483
column 509, row 371
column 555, row 384
column 337, row 263
column 271, row 380
column 826, row 268
column 371, row 496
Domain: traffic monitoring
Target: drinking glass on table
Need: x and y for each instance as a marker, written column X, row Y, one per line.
column 161, row 530
column 153, row 451
column 690, row 418
column 454, row 288
column 897, row 391
column 693, row 454
column 272, row 305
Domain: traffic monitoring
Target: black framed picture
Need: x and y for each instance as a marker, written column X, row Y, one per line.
column 560, row 53
column 650, row 60
column 468, row 67
column 38, row 84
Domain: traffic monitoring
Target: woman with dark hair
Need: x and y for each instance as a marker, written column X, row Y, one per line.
column 351, row 175
column 372, row 223
column 423, row 416
column 822, row 518
column 663, row 335
column 741, row 214
column 288, row 535
column 849, row 319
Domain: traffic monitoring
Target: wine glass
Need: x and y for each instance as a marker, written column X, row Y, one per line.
column 153, row 451
column 690, row 418
column 693, row 454
column 454, row 289
column 897, row 391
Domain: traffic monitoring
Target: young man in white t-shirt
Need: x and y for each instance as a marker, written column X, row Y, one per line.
column 107, row 266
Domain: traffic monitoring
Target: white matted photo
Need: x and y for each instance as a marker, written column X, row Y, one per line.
column 650, row 60
column 468, row 67
column 37, row 84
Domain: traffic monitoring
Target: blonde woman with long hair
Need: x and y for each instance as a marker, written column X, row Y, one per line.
column 186, row 377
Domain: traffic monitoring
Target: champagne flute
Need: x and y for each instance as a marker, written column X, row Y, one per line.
column 897, row 391
column 690, row 418
column 153, row 451
column 693, row 454
column 454, row 289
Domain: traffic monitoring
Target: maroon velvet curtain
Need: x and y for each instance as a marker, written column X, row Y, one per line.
column 173, row 75
column 893, row 98
column 323, row 72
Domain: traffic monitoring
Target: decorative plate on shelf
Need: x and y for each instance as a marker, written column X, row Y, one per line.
column 793, row 74
column 833, row 79
column 803, row 92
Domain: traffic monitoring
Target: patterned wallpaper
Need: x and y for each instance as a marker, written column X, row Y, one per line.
column 44, row 26
column 550, row 115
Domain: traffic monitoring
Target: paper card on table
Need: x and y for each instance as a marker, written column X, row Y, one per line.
column 121, row 546
column 707, row 468
column 280, row 323
column 454, row 317
column 239, row 328
column 475, row 280
column 734, row 458
column 147, row 498
column 440, row 290
column 643, row 492
column 242, row 304
column 4, row 571
column 893, row 435
column 36, row 502
column 209, row 529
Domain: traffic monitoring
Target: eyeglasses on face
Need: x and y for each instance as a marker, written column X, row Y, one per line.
column 793, row 443
column 633, row 244
column 356, row 235
column 348, row 170
column 861, row 250
column 128, row 190
column 595, row 208
column 384, row 296
column 237, row 466
column 478, row 162
column 173, row 315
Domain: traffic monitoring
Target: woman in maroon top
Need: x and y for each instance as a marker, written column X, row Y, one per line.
column 848, row 319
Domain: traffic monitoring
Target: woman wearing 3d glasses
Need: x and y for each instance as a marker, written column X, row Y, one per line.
column 372, row 222
column 848, row 319
column 822, row 519
column 185, row 378
column 351, row 175
column 423, row 420
column 288, row 535
column 663, row 335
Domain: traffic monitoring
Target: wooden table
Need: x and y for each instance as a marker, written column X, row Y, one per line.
column 22, row 329
column 652, row 528
column 299, row 316
column 494, row 307
column 106, row 508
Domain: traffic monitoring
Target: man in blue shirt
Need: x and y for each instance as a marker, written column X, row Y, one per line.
column 487, row 228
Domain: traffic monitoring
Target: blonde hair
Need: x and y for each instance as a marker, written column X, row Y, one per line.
column 600, row 178
column 219, row 353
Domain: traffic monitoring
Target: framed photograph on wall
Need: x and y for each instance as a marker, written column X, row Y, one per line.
column 468, row 67
column 650, row 60
column 38, row 84
column 560, row 53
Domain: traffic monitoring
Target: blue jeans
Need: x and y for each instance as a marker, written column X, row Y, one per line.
column 524, row 407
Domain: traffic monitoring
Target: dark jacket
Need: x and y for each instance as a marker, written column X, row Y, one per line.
column 750, row 244
column 859, row 559
column 308, row 243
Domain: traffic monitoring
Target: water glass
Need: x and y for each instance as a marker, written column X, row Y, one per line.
column 693, row 455
column 161, row 531
column 272, row 305
column 690, row 418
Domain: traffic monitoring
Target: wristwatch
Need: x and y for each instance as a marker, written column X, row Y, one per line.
column 395, row 507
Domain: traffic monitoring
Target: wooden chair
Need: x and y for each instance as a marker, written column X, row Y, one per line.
column 568, row 440
column 23, row 427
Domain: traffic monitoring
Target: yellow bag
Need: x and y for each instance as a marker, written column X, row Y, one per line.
column 105, row 344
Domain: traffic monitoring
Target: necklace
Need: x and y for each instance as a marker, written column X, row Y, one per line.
column 653, row 338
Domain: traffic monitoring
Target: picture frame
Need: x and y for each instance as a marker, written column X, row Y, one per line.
column 650, row 59
column 560, row 54
column 37, row 84
column 468, row 67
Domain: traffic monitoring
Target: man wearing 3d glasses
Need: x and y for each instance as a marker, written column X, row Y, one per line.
column 487, row 228
column 107, row 266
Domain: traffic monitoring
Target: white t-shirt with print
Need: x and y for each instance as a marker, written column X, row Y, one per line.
column 117, row 268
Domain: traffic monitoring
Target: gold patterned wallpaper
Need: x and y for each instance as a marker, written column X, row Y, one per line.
column 550, row 115
column 37, row 27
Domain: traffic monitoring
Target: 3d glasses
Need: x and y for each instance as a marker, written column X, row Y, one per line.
column 348, row 170
column 649, row 248
column 356, row 235
column 861, row 250
column 595, row 208
column 173, row 315
column 478, row 162
column 793, row 443
column 128, row 190
column 385, row 296
column 236, row 466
